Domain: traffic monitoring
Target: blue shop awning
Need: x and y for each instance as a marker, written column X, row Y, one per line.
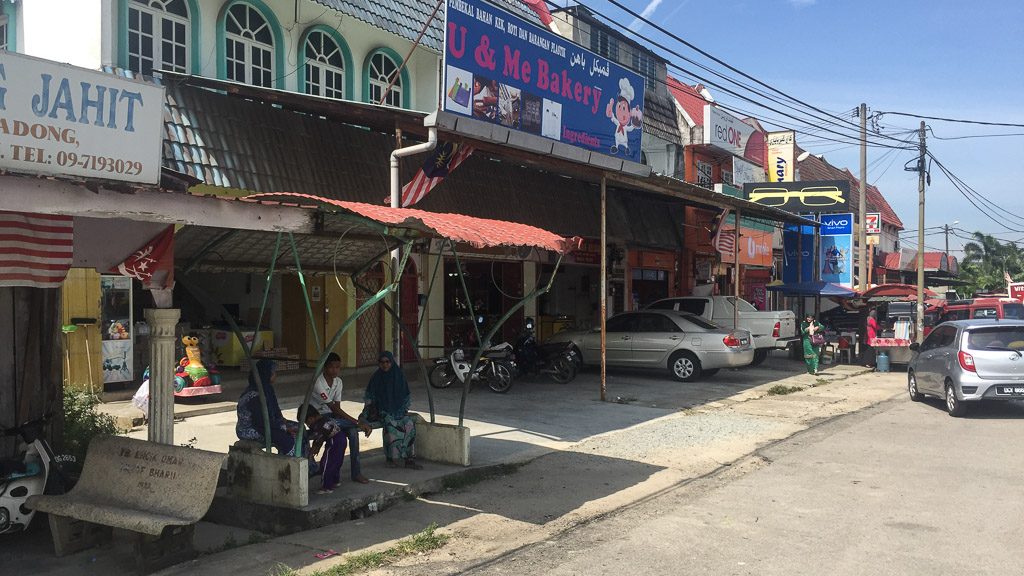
column 813, row 289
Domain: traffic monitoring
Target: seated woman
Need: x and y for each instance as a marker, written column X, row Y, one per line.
column 250, row 412
column 387, row 400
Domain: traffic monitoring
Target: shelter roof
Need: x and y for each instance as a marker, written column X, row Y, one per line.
column 406, row 18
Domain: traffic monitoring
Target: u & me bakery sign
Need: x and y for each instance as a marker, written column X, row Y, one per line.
column 57, row 119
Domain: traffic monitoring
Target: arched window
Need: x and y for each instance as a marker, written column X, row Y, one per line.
column 325, row 66
column 158, row 36
column 248, row 46
column 380, row 70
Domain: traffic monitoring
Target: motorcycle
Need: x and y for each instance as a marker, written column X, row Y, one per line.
column 495, row 369
column 24, row 476
column 557, row 360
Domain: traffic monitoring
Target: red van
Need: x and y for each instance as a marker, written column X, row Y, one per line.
column 993, row 308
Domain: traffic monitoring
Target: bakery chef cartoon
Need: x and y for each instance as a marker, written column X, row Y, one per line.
column 623, row 117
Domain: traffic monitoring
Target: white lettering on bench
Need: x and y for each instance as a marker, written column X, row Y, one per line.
column 166, row 470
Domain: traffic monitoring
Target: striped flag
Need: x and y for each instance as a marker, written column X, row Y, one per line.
column 725, row 243
column 443, row 160
column 35, row 249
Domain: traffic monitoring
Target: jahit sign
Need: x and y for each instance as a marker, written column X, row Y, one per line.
column 61, row 120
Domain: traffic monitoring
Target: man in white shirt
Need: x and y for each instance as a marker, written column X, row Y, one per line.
column 327, row 400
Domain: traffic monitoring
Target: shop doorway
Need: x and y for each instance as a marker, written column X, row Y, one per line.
column 494, row 287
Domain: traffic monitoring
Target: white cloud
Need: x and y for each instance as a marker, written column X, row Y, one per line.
column 646, row 13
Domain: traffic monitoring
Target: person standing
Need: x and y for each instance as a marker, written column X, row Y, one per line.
column 327, row 401
column 870, row 333
column 387, row 399
column 813, row 338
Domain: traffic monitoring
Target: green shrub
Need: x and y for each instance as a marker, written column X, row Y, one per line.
column 782, row 390
column 82, row 423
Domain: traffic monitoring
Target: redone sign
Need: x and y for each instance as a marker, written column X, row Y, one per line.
column 725, row 131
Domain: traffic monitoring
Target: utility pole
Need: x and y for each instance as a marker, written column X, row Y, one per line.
column 862, row 208
column 946, row 228
column 921, row 177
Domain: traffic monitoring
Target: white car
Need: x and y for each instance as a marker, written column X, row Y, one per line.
column 685, row 344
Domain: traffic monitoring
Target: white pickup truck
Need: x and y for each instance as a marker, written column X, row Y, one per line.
column 770, row 330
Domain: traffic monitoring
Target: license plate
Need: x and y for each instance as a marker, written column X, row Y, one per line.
column 1010, row 390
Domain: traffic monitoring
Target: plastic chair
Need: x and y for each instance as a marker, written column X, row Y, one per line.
column 845, row 351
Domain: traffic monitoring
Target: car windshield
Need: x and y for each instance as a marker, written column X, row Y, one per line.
column 996, row 338
column 1014, row 311
column 698, row 322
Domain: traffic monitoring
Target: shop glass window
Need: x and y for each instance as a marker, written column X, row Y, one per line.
column 325, row 66
column 604, row 44
column 382, row 69
column 249, row 46
column 158, row 36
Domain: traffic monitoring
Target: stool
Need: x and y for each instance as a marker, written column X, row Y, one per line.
column 845, row 356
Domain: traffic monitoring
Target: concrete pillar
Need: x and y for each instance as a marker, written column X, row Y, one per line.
column 161, row 373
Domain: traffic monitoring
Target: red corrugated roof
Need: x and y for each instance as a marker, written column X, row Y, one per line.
column 906, row 260
column 478, row 232
column 689, row 98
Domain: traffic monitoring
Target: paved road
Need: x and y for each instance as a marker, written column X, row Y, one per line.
column 900, row 488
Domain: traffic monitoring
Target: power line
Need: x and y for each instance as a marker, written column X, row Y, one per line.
column 950, row 119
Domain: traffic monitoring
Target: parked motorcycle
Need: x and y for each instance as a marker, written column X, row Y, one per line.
column 557, row 360
column 24, row 476
column 495, row 369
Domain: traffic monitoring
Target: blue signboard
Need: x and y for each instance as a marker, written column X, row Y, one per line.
column 500, row 68
column 836, row 224
column 798, row 254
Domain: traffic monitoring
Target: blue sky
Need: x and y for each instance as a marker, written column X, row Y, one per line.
column 940, row 58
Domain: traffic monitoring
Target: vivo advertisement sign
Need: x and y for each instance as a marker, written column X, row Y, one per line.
column 835, row 224
column 836, row 256
column 798, row 254
column 500, row 68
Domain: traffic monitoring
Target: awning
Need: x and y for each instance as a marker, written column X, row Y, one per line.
column 813, row 289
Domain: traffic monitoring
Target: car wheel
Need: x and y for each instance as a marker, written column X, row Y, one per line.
column 760, row 355
column 915, row 396
column 954, row 406
column 684, row 366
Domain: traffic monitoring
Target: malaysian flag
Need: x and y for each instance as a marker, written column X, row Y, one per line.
column 443, row 160
column 35, row 249
column 540, row 7
column 724, row 243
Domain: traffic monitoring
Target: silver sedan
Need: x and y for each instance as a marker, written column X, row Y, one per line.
column 685, row 344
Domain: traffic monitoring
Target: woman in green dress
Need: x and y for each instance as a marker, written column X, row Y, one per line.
column 808, row 328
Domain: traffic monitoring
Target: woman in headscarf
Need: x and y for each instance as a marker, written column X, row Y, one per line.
column 870, row 332
column 387, row 397
column 808, row 328
column 250, row 411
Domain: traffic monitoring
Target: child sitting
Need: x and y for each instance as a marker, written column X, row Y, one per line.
column 324, row 430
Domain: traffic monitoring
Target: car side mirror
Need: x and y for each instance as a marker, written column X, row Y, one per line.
column 914, row 346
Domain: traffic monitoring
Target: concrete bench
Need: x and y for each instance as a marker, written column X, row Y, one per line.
column 155, row 491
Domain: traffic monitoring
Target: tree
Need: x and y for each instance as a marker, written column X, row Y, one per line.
column 987, row 261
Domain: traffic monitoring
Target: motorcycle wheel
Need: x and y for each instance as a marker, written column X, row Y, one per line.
column 441, row 376
column 499, row 377
column 564, row 370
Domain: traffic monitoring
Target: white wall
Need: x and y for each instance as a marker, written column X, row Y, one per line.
column 62, row 30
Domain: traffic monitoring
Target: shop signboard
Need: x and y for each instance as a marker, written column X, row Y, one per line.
column 755, row 247
column 502, row 69
column 1016, row 290
column 873, row 223
column 815, row 196
column 836, row 255
column 798, row 254
column 725, row 131
column 57, row 119
column 744, row 172
column 781, row 156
